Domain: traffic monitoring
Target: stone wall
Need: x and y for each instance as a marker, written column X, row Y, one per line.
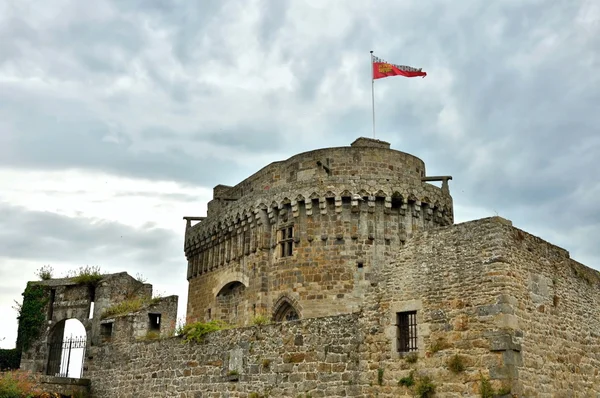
column 506, row 306
column 514, row 308
column 314, row 357
column 556, row 308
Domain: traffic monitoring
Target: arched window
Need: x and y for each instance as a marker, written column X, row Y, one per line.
column 285, row 312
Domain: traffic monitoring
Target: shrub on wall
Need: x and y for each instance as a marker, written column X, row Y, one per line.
column 31, row 315
column 9, row 359
column 196, row 331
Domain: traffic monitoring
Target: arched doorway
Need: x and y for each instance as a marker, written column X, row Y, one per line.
column 230, row 300
column 66, row 349
column 285, row 311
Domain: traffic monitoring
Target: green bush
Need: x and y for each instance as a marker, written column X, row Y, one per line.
column 9, row 359
column 424, row 387
column 196, row 331
column 407, row 381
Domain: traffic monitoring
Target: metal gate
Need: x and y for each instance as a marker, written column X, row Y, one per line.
column 66, row 354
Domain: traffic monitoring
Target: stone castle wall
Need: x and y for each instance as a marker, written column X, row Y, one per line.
column 556, row 308
column 313, row 357
column 514, row 309
column 348, row 208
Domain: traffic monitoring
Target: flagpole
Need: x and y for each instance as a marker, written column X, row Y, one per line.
column 373, row 93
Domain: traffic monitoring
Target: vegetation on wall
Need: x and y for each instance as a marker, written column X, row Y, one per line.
column 456, row 363
column 45, row 272
column 129, row 306
column 31, row 315
column 197, row 330
column 261, row 320
column 424, row 387
column 88, row 275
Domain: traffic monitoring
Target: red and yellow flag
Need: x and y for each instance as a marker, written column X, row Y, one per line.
column 383, row 69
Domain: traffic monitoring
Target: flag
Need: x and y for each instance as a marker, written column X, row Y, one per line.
column 383, row 69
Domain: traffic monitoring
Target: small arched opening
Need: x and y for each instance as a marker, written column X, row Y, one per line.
column 230, row 302
column 66, row 349
column 285, row 311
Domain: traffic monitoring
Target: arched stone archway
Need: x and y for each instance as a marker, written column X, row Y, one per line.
column 67, row 342
column 230, row 303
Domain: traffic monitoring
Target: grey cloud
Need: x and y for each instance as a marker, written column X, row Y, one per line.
column 49, row 237
column 522, row 78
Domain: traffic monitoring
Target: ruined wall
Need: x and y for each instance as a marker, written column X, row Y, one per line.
column 65, row 299
column 156, row 319
column 348, row 208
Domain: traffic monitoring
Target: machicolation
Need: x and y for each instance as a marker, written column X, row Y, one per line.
column 304, row 237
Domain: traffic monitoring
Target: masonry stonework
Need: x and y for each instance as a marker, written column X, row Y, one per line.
column 516, row 311
column 306, row 235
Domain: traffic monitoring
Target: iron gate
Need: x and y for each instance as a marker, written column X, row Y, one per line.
column 65, row 354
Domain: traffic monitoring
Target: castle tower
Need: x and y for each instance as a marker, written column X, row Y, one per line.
column 306, row 236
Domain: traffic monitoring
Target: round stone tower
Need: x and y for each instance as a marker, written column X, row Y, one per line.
column 306, row 236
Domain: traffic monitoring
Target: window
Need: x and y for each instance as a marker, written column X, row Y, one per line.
column 286, row 241
column 406, row 331
column 154, row 320
column 106, row 330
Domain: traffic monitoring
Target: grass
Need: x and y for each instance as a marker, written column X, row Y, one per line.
column 88, row 275
column 195, row 332
column 129, row 306
column 261, row 320
column 151, row 335
column 485, row 388
column 407, row 381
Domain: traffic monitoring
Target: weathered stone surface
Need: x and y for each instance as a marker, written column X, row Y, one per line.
column 345, row 205
column 443, row 275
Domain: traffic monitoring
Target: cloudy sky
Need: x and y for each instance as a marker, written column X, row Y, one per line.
column 118, row 117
